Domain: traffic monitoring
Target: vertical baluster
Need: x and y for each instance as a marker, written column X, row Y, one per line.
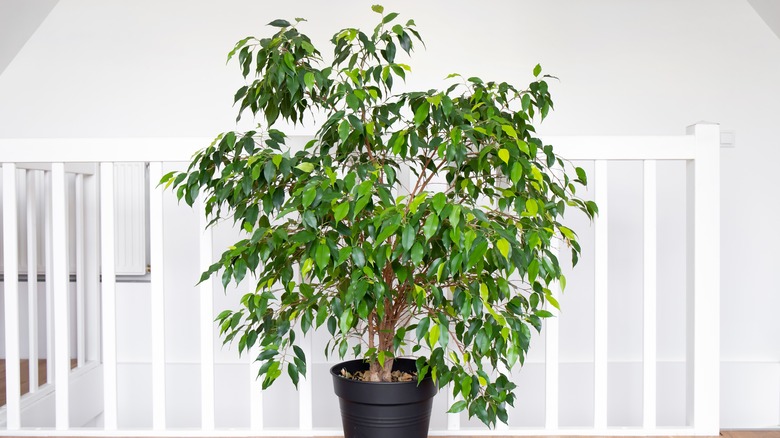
column 11, row 298
column 32, row 277
column 649, row 303
column 92, row 266
column 80, row 317
column 306, row 410
column 206, row 325
column 158, row 296
column 600, row 300
column 61, row 283
column 255, row 394
column 108, row 299
column 49, row 253
column 551, row 359
column 703, row 282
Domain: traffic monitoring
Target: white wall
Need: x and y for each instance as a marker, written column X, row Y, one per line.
column 144, row 68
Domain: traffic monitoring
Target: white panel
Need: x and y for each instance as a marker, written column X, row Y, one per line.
column 33, row 189
column 158, row 296
column 80, row 270
column 130, row 207
column 108, row 300
column 11, row 297
column 453, row 420
column 649, row 318
column 61, row 283
column 206, row 289
column 600, row 300
column 703, row 264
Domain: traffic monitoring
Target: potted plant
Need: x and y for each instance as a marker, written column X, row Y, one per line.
column 349, row 232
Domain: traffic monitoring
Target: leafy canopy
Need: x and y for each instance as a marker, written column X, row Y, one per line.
column 420, row 222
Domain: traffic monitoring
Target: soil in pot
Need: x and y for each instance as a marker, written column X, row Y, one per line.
column 383, row 409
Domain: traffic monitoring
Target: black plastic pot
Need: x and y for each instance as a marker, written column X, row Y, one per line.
column 383, row 409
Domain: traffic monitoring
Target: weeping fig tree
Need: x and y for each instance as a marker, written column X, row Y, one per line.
column 412, row 223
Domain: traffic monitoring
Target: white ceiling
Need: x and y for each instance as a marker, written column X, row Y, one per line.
column 19, row 19
column 769, row 10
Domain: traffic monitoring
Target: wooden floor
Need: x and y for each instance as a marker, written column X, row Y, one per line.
column 25, row 376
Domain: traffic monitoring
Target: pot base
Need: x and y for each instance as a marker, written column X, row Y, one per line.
column 383, row 409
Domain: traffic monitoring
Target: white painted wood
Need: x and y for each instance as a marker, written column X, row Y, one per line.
column 130, row 188
column 92, row 265
column 35, row 150
column 305, row 399
column 108, row 297
column 33, row 189
column 80, row 271
column 183, row 433
column 703, row 283
column 600, row 299
column 61, row 283
column 255, row 394
column 453, row 420
column 158, row 296
column 649, row 298
column 206, row 325
column 552, row 358
column 49, row 269
column 11, row 297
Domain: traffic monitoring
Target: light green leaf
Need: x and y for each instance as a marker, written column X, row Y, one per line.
column 510, row 131
column 306, row 167
column 308, row 79
column 504, row 155
column 531, row 207
column 533, row 271
column 433, row 335
column 417, row 253
column 516, row 173
column 537, row 70
column 378, row 9
column 503, row 247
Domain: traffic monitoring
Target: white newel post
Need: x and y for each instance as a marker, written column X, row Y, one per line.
column 703, row 281
column 108, row 301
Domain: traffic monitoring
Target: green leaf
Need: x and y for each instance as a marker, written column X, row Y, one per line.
column 438, row 202
column 344, row 130
column 458, row 406
column 537, row 70
column 417, row 253
column 389, row 17
column 503, row 247
column 308, row 197
column 340, row 211
column 279, row 23
column 422, row 113
column 407, row 240
column 422, row 328
column 581, row 175
column 430, row 226
column 322, row 255
column 378, row 9
column 533, row 270
column 504, row 155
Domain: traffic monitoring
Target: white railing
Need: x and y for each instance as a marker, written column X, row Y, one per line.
column 91, row 388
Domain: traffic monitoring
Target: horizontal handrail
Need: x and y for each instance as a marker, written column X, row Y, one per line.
column 95, row 150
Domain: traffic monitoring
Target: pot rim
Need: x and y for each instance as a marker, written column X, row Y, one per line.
column 335, row 371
